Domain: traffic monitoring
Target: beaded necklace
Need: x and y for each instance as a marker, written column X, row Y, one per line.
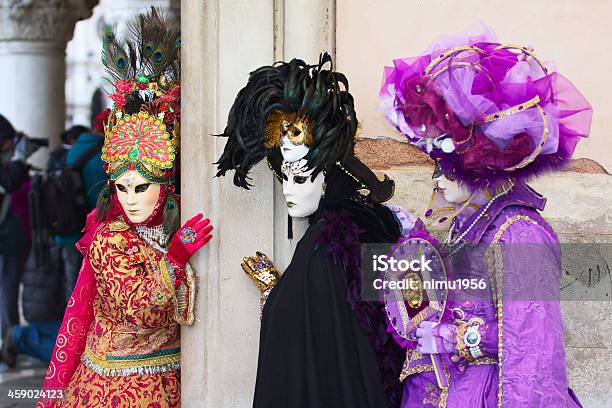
column 450, row 242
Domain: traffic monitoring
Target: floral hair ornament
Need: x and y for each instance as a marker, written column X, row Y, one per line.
column 142, row 130
column 488, row 113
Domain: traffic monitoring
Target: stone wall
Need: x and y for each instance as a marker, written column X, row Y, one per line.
column 223, row 41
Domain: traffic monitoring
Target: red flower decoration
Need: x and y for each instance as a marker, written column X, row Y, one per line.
column 100, row 120
column 124, row 87
column 169, row 118
column 173, row 95
column 142, row 86
column 119, row 100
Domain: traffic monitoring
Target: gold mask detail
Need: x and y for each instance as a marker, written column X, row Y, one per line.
column 279, row 123
column 414, row 297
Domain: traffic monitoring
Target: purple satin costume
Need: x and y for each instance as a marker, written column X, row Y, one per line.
column 531, row 350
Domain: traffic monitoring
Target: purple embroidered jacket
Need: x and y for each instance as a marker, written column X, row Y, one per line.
column 522, row 335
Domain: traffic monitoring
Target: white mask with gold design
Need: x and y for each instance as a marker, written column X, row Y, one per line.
column 293, row 147
column 290, row 132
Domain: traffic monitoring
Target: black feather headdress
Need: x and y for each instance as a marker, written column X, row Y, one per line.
column 315, row 92
column 312, row 91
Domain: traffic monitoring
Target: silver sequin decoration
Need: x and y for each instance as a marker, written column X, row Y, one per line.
column 154, row 236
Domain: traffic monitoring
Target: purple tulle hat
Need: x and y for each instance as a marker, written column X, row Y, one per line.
column 487, row 112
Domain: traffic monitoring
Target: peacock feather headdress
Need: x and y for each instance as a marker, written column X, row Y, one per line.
column 142, row 131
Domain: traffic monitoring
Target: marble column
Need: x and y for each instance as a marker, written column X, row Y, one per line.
column 223, row 40
column 33, row 37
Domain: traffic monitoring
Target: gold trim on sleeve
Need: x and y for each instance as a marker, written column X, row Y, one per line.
column 417, row 369
column 184, row 296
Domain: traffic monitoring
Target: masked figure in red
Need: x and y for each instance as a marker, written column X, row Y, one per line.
column 119, row 344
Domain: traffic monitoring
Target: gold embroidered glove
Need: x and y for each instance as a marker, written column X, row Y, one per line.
column 261, row 270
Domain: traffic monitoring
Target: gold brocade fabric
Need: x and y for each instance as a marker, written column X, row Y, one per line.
column 89, row 389
column 132, row 354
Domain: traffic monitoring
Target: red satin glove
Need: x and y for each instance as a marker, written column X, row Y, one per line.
column 193, row 235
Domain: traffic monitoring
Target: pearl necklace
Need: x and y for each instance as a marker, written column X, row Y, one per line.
column 450, row 242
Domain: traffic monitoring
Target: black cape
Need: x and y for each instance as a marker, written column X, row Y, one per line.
column 313, row 352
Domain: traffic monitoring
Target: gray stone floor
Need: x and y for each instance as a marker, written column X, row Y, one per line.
column 28, row 375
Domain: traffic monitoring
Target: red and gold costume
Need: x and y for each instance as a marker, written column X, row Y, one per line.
column 132, row 352
column 119, row 344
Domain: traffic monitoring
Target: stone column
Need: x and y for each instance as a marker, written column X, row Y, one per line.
column 33, row 37
column 223, row 40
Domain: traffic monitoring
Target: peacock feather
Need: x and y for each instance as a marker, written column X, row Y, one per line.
column 151, row 49
column 157, row 45
column 116, row 59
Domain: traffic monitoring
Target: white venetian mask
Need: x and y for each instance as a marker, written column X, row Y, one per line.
column 292, row 152
column 302, row 194
column 137, row 196
column 453, row 191
column 290, row 132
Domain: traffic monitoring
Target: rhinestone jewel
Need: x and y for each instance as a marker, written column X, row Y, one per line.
column 154, row 236
column 134, row 154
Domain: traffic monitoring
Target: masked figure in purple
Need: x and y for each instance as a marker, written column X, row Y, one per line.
column 492, row 116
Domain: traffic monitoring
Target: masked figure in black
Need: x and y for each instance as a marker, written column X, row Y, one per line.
column 321, row 343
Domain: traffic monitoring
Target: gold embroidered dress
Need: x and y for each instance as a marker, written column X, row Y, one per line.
column 132, row 352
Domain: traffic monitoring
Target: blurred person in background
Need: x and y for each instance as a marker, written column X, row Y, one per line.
column 94, row 176
column 75, row 176
column 72, row 196
column 15, row 148
column 57, row 157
